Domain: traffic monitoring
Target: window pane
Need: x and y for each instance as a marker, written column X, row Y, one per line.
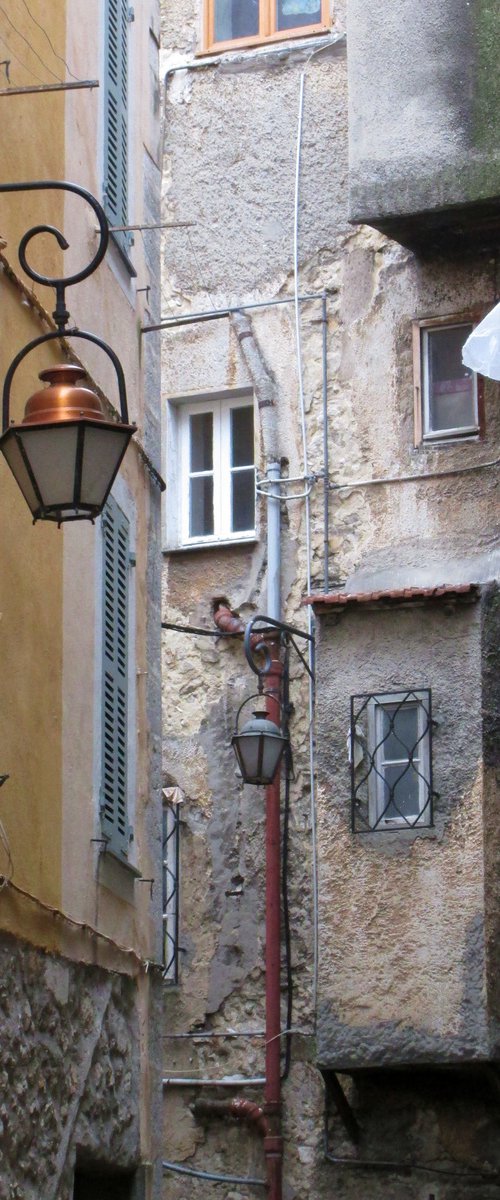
column 400, row 792
column 201, row 515
column 201, row 441
column 451, row 386
column 242, row 500
column 241, row 437
column 293, row 14
column 235, row 19
column 400, row 732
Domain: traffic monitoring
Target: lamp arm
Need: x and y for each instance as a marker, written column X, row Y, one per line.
column 61, row 186
column 49, row 337
column 254, row 641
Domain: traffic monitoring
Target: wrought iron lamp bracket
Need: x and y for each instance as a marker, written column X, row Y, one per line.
column 255, row 643
column 60, row 283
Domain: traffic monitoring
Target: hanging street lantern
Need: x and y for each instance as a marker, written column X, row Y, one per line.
column 259, row 747
column 65, row 454
column 66, row 451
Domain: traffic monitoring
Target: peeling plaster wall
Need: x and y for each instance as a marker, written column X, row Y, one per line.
column 229, row 167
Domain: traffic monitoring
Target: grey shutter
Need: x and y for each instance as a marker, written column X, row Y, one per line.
column 116, row 565
column 116, row 115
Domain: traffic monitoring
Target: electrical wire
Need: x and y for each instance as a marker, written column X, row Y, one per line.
column 408, row 1167
column 214, row 633
column 19, row 60
column 212, row 1177
column 286, row 920
column 46, row 36
column 30, row 47
column 310, row 620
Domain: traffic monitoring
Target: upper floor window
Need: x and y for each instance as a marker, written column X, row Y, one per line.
column 246, row 22
column 447, row 394
column 217, row 486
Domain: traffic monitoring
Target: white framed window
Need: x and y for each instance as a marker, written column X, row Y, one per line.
column 448, row 395
column 391, row 760
column 211, row 470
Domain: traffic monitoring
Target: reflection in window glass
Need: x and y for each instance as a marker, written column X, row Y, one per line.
column 201, row 513
column 294, row 14
column 236, row 19
column 450, row 389
column 201, row 440
column 242, row 437
column 243, row 501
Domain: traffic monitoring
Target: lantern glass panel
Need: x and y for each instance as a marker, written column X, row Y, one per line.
column 102, row 454
column 12, row 454
column 51, row 453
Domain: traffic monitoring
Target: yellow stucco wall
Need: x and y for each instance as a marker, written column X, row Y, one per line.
column 33, row 147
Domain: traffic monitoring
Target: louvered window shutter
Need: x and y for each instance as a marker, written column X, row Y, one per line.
column 116, row 116
column 116, row 566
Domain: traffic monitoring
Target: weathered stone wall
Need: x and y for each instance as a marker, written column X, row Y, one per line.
column 70, row 1064
column 230, row 139
column 423, row 131
column 403, row 965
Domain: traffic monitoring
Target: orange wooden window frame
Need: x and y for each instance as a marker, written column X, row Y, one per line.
column 267, row 27
column 470, row 317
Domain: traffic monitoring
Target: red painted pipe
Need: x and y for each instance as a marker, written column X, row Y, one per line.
column 273, row 1144
column 227, row 622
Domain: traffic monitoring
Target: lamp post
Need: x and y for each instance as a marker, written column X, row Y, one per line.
column 261, row 744
column 66, row 452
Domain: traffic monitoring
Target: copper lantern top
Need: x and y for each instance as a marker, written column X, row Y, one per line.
column 63, row 400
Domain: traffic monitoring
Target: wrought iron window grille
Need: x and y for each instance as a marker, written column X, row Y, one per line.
column 171, row 890
column 390, row 754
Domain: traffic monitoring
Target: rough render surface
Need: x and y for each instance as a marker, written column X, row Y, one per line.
column 423, row 100
column 69, row 1068
column 229, row 141
column 403, row 967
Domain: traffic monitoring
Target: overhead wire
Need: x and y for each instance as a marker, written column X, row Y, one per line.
column 47, row 38
column 30, row 47
column 21, row 63
column 310, row 619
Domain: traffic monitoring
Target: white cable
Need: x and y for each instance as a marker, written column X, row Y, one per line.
column 300, row 370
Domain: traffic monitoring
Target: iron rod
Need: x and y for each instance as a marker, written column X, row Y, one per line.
column 218, row 314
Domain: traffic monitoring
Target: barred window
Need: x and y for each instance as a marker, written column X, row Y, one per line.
column 171, row 824
column 390, row 757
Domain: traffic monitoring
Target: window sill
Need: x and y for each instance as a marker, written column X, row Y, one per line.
column 282, row 43
column 227, row 544
column 117, row 875
column 438, row 443
column 124, row 258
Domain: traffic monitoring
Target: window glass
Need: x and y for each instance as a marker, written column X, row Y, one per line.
column 243, row 501
column 242, row 437
column 399, row 732
column 201, row 438
column 400, row 795
column 294, row 14
column 236, row 19
column 451, row 400
column 201, row 513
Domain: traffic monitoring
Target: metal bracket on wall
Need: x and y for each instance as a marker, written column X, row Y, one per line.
column 336, row 1094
